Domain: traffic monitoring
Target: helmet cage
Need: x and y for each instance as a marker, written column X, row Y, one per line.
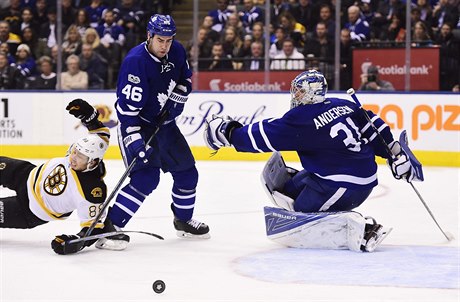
column 309, row 87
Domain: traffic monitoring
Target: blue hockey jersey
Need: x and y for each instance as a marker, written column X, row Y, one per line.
column 145, row 83
column 333, row 139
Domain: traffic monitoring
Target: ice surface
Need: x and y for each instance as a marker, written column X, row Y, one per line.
column 238, row 263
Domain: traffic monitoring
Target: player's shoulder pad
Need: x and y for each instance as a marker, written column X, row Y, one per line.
column 93, row 186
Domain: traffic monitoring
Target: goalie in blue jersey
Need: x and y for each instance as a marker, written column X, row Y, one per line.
column 337, row 148
column 155, row 77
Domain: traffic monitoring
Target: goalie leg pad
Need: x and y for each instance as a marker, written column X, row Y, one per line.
column 274, row 176
column 323, row 230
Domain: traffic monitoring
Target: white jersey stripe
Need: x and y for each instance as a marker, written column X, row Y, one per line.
column 122, row 112
column 265, row 137
column 339, row 193
column 369, row 124
column 253, row 141
column 350, row 178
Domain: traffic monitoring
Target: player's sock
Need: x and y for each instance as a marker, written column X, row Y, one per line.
column 128, row 201
column 183, row 203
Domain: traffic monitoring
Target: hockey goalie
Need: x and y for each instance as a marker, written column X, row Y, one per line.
column 326, row 230
column 337, row 145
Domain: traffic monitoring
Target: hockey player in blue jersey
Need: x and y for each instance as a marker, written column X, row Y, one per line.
column 155, row 75
column 336, row 147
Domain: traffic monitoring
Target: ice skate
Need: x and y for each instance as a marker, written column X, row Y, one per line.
column 115, row 243
column 191, row 229
column 373, row 235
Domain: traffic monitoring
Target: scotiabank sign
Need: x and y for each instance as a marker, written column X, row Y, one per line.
column 238, row 81
column 424, row 70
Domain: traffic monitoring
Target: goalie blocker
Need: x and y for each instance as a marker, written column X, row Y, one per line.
column 325, row 230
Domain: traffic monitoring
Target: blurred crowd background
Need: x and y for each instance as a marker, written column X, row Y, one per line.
column 83, row 42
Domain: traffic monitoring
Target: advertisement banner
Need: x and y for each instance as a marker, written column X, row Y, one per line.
column 424, row 70
column 432, row 121
column 250, row 81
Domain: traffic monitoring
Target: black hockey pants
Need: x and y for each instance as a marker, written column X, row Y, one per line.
column 14, row 210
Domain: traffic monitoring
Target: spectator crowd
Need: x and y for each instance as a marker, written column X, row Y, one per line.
column 231, row 37
column 97, row 34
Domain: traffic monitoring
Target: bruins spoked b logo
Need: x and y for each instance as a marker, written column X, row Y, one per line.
column 56, row 181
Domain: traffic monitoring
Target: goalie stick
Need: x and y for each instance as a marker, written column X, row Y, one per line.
column 163, row 115
column 404, row 145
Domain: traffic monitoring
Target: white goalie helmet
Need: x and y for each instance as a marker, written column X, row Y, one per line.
column 94, row 147
column 309, row 87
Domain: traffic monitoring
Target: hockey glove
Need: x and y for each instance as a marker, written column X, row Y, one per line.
column 218, row 131
column 134, row 142
column 176, row 102
column 400, row 165
column 60, row 246
column 83, row 111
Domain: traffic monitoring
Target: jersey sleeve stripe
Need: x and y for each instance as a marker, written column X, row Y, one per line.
column 373, row 119
column 128, row 113
column 350, row 178
column 251, row 137
column 265, row 137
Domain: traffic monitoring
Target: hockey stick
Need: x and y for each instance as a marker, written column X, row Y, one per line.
column 351, row 92
column 104, row 235
column 163, row 115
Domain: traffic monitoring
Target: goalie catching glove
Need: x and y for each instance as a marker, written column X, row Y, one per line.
column 218, row 131
column 400, row 165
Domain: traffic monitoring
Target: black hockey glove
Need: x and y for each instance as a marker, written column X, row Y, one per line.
column 60, row 247
column 82, row 110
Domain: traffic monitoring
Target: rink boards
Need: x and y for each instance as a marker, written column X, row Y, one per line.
column 36, row 125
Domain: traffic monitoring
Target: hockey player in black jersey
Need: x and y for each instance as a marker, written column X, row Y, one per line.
column 56, row 188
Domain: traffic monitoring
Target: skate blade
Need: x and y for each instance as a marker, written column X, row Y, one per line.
column 182, row 234
column 112, row 245
column 371, row 246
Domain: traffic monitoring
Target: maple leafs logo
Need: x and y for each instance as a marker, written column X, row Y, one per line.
column 162, row 98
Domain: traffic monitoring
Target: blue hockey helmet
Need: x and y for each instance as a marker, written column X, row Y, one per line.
column 309, row 87
column 162, row 25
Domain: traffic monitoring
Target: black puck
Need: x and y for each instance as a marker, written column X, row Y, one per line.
column 159, row 286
